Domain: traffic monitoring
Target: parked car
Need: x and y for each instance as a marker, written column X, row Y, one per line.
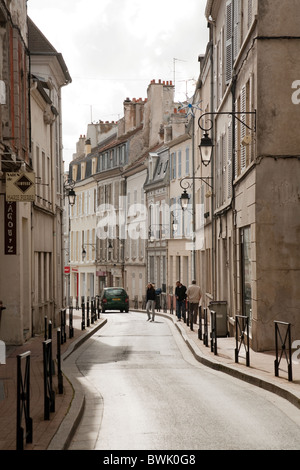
column 114, row 298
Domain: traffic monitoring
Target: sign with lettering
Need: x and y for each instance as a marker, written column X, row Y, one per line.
column 20, row 187
column 10, row 228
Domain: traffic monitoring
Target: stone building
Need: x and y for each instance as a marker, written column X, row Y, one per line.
column 256, row 162
column 119, row 173
column 15, row 156
column 49, row 74
column 32, row 74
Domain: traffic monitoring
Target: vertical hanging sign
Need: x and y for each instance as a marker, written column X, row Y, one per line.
column 10, row 227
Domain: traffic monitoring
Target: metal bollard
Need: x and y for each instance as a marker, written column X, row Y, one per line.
column 200, row 323
column 49, row 394
column 71, row 329
column 286, row 347
column 23, row 400
column 213, row 322
column 59, row 372
column 88, row 312
column 83, row 314
column 63, row 336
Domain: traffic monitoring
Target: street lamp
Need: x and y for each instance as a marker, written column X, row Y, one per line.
column 161, row 234
column 185, row 197
column 72, row 197
column 206, row 145
column 206, row 149
column 84, row 250
column 69, row 191
column 174, row 223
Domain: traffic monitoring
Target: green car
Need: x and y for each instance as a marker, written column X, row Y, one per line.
column 114, row 298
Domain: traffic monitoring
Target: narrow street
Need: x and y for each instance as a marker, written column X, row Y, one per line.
column 145, row 391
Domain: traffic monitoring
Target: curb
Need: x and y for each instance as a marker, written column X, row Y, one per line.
column 66, row 431
column 241, row 375
column 252, row 379
column 62, row 438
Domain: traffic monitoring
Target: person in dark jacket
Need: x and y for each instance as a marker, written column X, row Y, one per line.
column 150, row 305
column 180, row 294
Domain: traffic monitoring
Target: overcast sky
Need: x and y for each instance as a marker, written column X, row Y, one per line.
column 114, row 48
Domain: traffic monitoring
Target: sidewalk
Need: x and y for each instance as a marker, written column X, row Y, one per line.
column 54, row 434
column 43, row 430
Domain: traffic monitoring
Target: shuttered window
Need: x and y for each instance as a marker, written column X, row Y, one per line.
column 233, row 35
column 243, row 128
column 237, row 28
column 229, row 161
column 228, row 41
column 250, row 13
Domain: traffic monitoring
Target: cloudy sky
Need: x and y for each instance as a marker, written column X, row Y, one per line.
column 114, row 48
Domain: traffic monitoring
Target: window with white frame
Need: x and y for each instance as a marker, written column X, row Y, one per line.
column 243, row 135
column 233, row 34
column 187, row 161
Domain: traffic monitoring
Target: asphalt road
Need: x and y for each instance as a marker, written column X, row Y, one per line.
column 145, row 391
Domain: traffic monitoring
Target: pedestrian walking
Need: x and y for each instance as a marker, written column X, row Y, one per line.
column 194, row 295
column 150, row 305
column 180, row 294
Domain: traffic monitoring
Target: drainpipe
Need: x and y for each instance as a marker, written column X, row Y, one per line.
column 211, row 26
column 234, row 234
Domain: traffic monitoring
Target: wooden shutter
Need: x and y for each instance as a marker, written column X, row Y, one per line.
column 224, row 169
column 228, row 41
column 229, row 161
column 237, row 29
column 236, row 141
column 250, row 13
column 243, row 128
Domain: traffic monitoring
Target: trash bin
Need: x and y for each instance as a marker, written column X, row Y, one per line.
column 220, row 307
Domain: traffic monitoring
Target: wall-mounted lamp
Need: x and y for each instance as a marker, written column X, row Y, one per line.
column 206, row 149
column 185, row 197
column 206, row 145
column 174, row 223
column 162, row 233
column 93, row 245
column 69, row 191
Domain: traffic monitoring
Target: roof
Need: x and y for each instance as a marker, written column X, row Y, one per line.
column 38, row 44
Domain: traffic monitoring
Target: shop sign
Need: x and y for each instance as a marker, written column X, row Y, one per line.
column 10, row 228
column 20, row 187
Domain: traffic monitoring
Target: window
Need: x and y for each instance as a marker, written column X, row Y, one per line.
column 233, row 32
column 179, row 164
column 246, row 272
column 83, row 165
column 187, row 161
column 173, row 167
column 244, row 148
column 228, row 41
column 229, row 161
column 250, row 13
column 94, row 166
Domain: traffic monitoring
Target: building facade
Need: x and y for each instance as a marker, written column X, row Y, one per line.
column 256, row 168
column 48, row 75
column 15, row 145
column 32, row 74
